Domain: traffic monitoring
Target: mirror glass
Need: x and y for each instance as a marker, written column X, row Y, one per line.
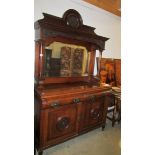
column 65, row 60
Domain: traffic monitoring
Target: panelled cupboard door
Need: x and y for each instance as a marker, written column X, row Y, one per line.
column 60, row 124
column 91, row 113
column 94, row 113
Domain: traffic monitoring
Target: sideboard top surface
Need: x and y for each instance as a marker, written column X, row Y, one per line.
column 69, row 89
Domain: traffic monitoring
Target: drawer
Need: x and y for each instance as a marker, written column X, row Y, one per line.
column 61, row 100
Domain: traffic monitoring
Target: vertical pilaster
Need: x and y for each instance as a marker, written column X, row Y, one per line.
column 99, row 63
column 41, row 60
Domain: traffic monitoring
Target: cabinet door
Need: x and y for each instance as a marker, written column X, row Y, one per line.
column 91, row 113
column 94, row 113
column 59, row 124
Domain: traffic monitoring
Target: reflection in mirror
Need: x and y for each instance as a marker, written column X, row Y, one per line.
column 65, row 60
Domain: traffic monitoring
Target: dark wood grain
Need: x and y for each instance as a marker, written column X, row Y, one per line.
column 52, row 28
column 66, row 107
column 84, row 115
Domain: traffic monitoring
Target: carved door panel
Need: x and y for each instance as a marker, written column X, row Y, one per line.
column 94, row 113
column 91, row 113
column 62, row 122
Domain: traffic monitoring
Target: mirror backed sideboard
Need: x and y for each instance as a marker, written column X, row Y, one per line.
column 69, row 99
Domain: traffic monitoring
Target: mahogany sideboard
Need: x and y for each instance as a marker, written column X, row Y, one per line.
column 69, row 100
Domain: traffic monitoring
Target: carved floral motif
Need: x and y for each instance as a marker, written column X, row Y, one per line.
column 63, row 123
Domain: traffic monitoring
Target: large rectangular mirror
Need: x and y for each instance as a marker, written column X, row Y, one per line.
column 65, row 60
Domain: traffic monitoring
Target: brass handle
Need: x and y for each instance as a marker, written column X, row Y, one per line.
column 55, row 104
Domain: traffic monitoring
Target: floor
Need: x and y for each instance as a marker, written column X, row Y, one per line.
column 96, row 142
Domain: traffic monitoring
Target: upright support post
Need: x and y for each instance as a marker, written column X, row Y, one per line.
column 41, row 60
column 99, row 63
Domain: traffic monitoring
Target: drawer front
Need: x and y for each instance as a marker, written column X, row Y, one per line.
column 61, row 101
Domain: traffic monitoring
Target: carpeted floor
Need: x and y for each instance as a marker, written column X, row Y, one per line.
column 96, row 142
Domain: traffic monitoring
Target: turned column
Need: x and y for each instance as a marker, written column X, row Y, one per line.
column 99, row 63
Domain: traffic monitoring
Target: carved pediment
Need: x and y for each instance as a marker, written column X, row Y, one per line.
column 69, row 26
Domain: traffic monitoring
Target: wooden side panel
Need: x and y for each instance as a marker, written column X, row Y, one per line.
column 37, row 103
column 37, row 49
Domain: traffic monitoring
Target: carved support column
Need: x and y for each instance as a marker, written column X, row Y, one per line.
column 92, row 60
column 99, row 63
column 37, row 48
column 40, row 62
column 41, row 58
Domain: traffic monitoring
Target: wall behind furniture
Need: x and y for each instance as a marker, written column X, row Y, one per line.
column 106, row 24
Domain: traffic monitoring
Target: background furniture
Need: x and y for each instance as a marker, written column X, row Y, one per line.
column 117, row 63
column 114, row 106
column 109, row 71
column 68, row 100
column 111, row 109
column 113, row 69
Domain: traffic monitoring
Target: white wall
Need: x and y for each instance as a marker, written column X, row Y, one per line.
column 106, row 24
